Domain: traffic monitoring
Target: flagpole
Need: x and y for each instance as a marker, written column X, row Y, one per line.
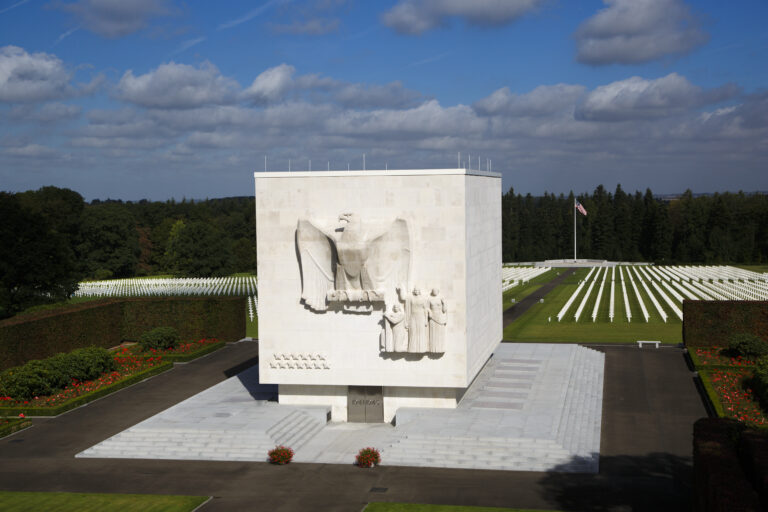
column 574, row 230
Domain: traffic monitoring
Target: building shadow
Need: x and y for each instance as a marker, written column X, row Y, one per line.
column 248, row 375
column 656, row 482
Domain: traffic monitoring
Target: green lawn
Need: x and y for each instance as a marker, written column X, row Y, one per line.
column 252, row 328
column 413, row 507
column 74, row 502
column 535, row 325
column 521, row 291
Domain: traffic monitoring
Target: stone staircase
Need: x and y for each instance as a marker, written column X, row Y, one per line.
column 295, row 429
column 511, row 391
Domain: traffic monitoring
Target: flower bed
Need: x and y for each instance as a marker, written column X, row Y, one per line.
column 183, row 351
column 131, row 368
column 730, row 396
column 715, row 357
column 10, row 425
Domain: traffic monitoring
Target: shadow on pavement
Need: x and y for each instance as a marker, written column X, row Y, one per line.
column 655, row 482
column 249, row 378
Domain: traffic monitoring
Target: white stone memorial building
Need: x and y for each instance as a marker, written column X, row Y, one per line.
column 377, row 289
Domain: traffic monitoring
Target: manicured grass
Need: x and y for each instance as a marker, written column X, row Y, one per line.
column 535, row 324
column 521, row 291
column 252, row 328
column 413, row 507
column 76, row 502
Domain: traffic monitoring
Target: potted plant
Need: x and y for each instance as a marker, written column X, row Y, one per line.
column 368, row 457
column 280, row 455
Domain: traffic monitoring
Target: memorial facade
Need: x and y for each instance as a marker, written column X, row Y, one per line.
column 377, row 289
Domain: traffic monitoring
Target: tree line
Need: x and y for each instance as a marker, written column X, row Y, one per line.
column 712, row 229
column 50, row 239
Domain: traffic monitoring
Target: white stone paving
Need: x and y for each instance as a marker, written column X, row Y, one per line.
column 533, row 407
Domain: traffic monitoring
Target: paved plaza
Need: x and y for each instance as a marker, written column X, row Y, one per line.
column 534, row 407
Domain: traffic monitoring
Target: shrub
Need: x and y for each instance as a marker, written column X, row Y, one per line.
column 46, row 376
column 747, row 345
column 368, row 457
column 280, row 455
column 759, row 381
column 159, row 338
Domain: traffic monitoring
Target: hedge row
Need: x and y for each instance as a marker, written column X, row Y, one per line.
column 13, row 425
column 712, row 323
column 107, row 323
column 88, row 397
column 730, row 465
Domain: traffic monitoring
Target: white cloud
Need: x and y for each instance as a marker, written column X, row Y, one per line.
column 31, row 77
column 48, row 113
column 542, row 101
column 249, row 15
column 271, row 84
column 177, row 86
column 418, row 16
column 115, row 18
column 30, row 151
column 392, row 95
column 638, row 98
column 634, row 31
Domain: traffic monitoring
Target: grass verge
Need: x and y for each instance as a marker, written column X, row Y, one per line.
column 76, row 502
column 10, row 425
column 189, row 356
column 88, row 397
column 414, row 507
column 252, row 328
column 712, row 395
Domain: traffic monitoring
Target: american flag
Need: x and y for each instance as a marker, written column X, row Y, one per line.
column 581, row 209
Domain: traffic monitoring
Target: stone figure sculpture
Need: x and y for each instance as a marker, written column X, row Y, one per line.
column 437, row 320
column 394, row 337
column 417, row 314
column 348, row 264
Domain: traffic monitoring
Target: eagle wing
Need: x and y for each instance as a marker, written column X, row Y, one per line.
column 317, row 255
column 389, row 259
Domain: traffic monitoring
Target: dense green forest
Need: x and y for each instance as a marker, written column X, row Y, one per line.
column 51, row 238
column 712, row 229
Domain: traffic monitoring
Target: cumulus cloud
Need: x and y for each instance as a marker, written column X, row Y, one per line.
column 392, row 95
column 115, row 18
column 634, row 31
column 48, row 113
column 542, row 101
column 32, row 77
column 418, row 16
column 271, row 84
column 177, row 86
column 30, row 151
column 638, row 98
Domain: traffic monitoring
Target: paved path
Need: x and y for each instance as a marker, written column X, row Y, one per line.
column 533, row 407
column 649, row 406
column 517, row 310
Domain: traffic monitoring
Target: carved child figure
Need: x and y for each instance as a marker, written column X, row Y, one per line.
column 437, row 321
column 395, row 336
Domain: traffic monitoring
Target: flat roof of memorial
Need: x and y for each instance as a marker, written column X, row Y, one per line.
column 379, row 172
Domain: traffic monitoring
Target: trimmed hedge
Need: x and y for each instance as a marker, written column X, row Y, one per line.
column 189, row 356
column 107, row 323
column 719, row 480
column 88, row 397
column 708, row 323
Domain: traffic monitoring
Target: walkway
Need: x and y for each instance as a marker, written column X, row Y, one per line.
column 516, row 311
column 649, row 406
column 534, row 407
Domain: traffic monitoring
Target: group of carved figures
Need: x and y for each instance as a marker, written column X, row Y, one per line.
column 420, row 328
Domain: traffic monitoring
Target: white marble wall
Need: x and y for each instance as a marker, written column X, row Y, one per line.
column 447, row 253
column 484, row 303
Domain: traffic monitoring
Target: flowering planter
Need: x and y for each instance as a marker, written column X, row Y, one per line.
column 368, row 458
column 280, row 455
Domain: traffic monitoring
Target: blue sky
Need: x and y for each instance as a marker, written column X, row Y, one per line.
column 158, row 99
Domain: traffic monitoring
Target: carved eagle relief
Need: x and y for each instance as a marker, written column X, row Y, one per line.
column 352, row 263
